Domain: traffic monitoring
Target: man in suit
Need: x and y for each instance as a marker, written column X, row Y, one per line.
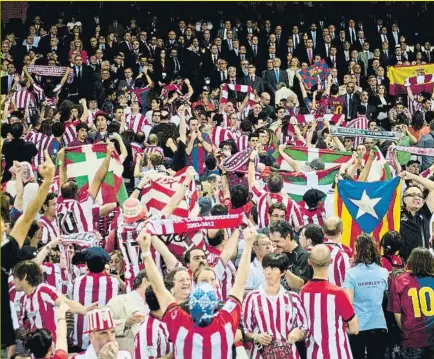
column 126, row 47
column 358, row 45
column 128, row 311
column 143, row 44
column 82, row 78
column 351, row 101
column 383, row 37
column 256, row 51
column 307, row 54
column 227, row 45
column 221, row 75
column 351, row 32
column 396, row 58
column 8, row 80
column 210, row 61
column 364, row 56
column 128, row 82
column 315, row 35
column 370, row 110
column 385, row 54
column 28, row 45
column 275, row 76
column 297, row 39
column 234, row 55
column 256, row 82
column 289, row 48
column 394, row 36
column 332, row 59
column 172, row 42
column 324, row 48
column 427, row 53
column 222, row 33
column 174, row 65
column 406, row 53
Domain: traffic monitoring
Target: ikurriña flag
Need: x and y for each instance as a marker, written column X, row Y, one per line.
column 368, row 207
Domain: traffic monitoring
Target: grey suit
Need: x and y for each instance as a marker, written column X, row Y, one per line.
column 257, row 84
column 221, row 33
column 363, row 57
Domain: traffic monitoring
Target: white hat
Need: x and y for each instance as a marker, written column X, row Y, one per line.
column 99, row 319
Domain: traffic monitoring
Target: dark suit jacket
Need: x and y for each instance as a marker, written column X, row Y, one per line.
column 270, row 79
column 351, row 107
column 4, row 83
column 258, row 83
column 371, row 112
column 385, row 60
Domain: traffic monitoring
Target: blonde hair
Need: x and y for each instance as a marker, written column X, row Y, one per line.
column 201, row 269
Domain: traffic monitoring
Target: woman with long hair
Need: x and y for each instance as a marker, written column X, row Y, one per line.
column 411, row 300
column 40, row 342
column 77, row 45
column 365, row 285
column 382, row 102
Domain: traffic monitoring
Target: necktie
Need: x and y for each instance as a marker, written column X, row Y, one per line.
column 277, row 75
column 354, row 33
column 213, row 59
column 78, row 72
column 385, row 38
column 129, row 46
column 333, row 60
column 295, row 41
column 327, row 49
column 10, row 82
column 428, row 56
column 309, row 53
column 230, row 45
column 251, row 78
column 255, row 51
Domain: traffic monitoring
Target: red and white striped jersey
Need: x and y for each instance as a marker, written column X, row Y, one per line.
column 126, row 234
column 136, row 148
column 340, row 263
column 153, row 148
column 293, row 214
column 49, row 229
column 56, row 276
column 225, row 272
column 242, row 142
column 91, row 117
column 23, row 98
column 88, row 289
column 40, row 94
column 40, row 141
column 210, row 342
column 16, row 298
column 328, row 309
column 312, row 216
column 219, row 134
column 278, row 315
column 135, row 122
column 414, row 105
column 39, row 309
column 70, row 133
column 75, row 216
column 360, row 123
column 152, row 339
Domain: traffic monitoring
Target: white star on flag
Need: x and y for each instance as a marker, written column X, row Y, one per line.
column 366, row 205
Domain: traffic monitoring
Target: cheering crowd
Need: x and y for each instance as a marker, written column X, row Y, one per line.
column 232, row 120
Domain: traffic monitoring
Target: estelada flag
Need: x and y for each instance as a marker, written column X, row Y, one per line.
column 317, row 71
column 368, row 207
column 82, row 163
column 418, row 77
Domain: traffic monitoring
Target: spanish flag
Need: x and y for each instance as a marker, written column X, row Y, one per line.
column 418, row 77
column 368, row 207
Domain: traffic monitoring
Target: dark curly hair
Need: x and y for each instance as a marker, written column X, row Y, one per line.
column 366, row 250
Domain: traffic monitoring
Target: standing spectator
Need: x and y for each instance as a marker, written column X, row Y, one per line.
column 333, row 318
column 94, row 288
column 261, row 246
column 272, row 315
column 411, row 300
column 198, row 146
column 365, row 285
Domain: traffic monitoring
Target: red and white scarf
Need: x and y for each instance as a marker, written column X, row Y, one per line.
column 239, row 88
column 56, row 71
column 188, row 225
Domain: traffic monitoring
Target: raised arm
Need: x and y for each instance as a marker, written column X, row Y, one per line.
column 230, row 246
column 289, row 159
column 124, row 153
column 85, row 115
column 101, row 173
column 163, row 295
column 22, row 226
column 61, row 329
column 29, row 77
column 251, row 173
column 63, row 176
column 367, row 169
column 428, row 184
column 182, row 124
column 19, row 185
column 168, row 257
column 237, row 290
column 180, row 193
column 65, row 78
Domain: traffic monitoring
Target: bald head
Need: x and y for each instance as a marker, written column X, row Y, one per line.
column 320, row 256
column 333, row 226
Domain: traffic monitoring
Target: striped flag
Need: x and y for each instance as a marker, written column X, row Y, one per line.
column 82, row 163
column 157, row 193
column 303, row 154
column 368, row 207
column 296, row 184
column 361, row 123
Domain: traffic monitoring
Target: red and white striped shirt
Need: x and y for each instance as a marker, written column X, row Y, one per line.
column 70, row 133
column 91, row 354
column 153, row 149
column 135, row 122
column 39, row 309
column 211, row 342
column 88, row 289
column 242, row 142
column 75, row 216
column 293, row 214
column 40, row 141
column 225, row 272
column 312, row 216
column 126, row 234
column 40, row 94
column 136, row 148
column 152, row 339
column 328, row 309
column 91, row 117
column 340, row 263
column 49, row 229
column 23, row 98
column 278, row 315
column 56, row 276
column 219, row 134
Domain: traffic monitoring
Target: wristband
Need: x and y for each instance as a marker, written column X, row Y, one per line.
column 138, row 188
column 61, row 319
column 146, row 254
column 252, row 160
